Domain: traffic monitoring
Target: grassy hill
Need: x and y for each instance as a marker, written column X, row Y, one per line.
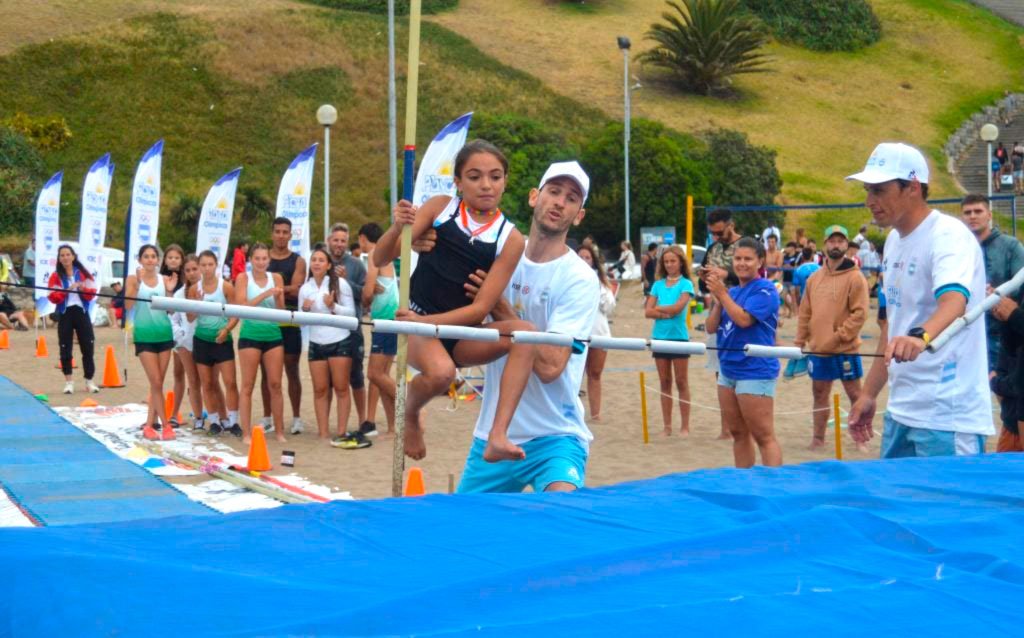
column 938, row 62
column 241, row 87
column 237, row 82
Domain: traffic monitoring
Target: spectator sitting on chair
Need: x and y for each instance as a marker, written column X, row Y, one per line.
column 10, row 317
column 626, row 262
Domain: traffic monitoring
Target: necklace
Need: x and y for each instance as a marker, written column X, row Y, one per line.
column 464, row 215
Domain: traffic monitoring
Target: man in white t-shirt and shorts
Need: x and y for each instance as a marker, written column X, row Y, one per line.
column 933, row 273
column 558, row 292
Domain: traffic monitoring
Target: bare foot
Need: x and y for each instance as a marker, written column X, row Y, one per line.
column 501, row 449
column 723, row 436
column 415, row 446
column 247, row 439
column 280, row 438
column 684, row 432
column 862, row 447
column 667, row 431
column 816, row 444
column 595, row 417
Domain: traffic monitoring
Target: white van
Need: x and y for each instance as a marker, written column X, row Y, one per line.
column 111, row 267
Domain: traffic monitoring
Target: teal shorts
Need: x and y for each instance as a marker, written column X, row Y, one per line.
column 549, row 459
column 900, row 440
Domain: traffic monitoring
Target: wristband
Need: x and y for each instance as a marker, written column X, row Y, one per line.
column 921, row 334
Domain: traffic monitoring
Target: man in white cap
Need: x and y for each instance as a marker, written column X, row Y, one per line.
column 558, row 292
column 933, row 273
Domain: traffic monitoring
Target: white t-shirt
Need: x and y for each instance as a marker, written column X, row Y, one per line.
column 556, row 296
column 946, row 390
column 604, row 310
column 346, row 305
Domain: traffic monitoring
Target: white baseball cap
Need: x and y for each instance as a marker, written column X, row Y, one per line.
column 572, row 170
column 893, row 160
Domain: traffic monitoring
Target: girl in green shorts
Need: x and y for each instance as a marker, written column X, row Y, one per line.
column 152, row 332
column 260, row 342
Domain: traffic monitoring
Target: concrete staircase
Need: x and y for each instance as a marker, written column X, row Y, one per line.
column 971, row 169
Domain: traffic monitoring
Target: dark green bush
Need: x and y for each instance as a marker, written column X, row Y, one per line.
column 742, row 174
column 821, row 25
column 21, row 177
column 381, row 6
column 665, row 167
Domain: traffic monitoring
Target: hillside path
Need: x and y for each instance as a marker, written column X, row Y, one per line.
column 1012, row 10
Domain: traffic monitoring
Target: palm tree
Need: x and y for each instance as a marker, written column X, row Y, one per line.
column 703, row 43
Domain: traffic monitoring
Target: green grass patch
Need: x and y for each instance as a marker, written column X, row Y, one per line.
column 222, row 96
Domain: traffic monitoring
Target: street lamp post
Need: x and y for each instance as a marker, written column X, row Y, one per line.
column 624, row 45
column 327, row 115
column 989, row 133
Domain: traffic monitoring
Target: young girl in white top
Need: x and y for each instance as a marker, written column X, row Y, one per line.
column 330, row 348
column 596, row 358
column 184, row 365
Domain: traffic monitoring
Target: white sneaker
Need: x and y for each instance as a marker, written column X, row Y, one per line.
column 91, row 387
column 267, row 423
column 69, row 387
column 296, row 426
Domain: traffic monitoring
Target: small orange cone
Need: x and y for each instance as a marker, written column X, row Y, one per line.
column 88, row 403
column 259, row 459
column 168, row 407
column 41, row 351
column 414, row 483
column 111, row 376
column 5, row 340
column 73, row 365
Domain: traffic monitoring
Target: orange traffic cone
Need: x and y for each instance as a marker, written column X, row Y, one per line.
column 88, row 403
column 5, row 340
column 168, row 407
column 111, row 376
column 259, row 459
column 41, row 351
column 414, row 483
column 73, row 364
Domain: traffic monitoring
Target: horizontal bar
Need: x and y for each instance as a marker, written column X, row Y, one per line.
column 773, row 352
column 678, row 347
column 388, row 326
column 618, row 343
column 541, row 338
column 465, row 332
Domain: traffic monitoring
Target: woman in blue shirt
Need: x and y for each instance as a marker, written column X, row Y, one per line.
column 747, row 314
column 667, row 303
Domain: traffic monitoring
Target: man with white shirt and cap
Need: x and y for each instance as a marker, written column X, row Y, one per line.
column 933, row 272
column 558, row 292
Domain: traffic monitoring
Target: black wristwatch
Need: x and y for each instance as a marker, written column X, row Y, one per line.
column 920, row 333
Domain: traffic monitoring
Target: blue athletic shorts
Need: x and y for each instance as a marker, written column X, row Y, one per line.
column 757, row 387
column 841, row 367
column 900, row 441
column 383, row 343
column 549, row 459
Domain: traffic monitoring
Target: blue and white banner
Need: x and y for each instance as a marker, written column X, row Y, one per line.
column 47, row 239
column 293, row 198
column 436, row 175
column 145, row 215
column 93, row 229
column 214, row 232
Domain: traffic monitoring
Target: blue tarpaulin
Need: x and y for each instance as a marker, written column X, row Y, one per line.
column 916, row 547
column 59, row 475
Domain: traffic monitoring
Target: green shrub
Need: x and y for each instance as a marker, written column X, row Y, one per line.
column 21, row 176
column 704, row 43
column 381, row 6
column 821, row 25
column 742, row 174
column 46, row 133
column 665, row 167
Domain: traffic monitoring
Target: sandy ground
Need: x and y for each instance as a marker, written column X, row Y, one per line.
column 617, row 454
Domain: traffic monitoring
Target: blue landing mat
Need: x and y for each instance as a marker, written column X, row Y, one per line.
column 916, row 547
column 61, row 476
